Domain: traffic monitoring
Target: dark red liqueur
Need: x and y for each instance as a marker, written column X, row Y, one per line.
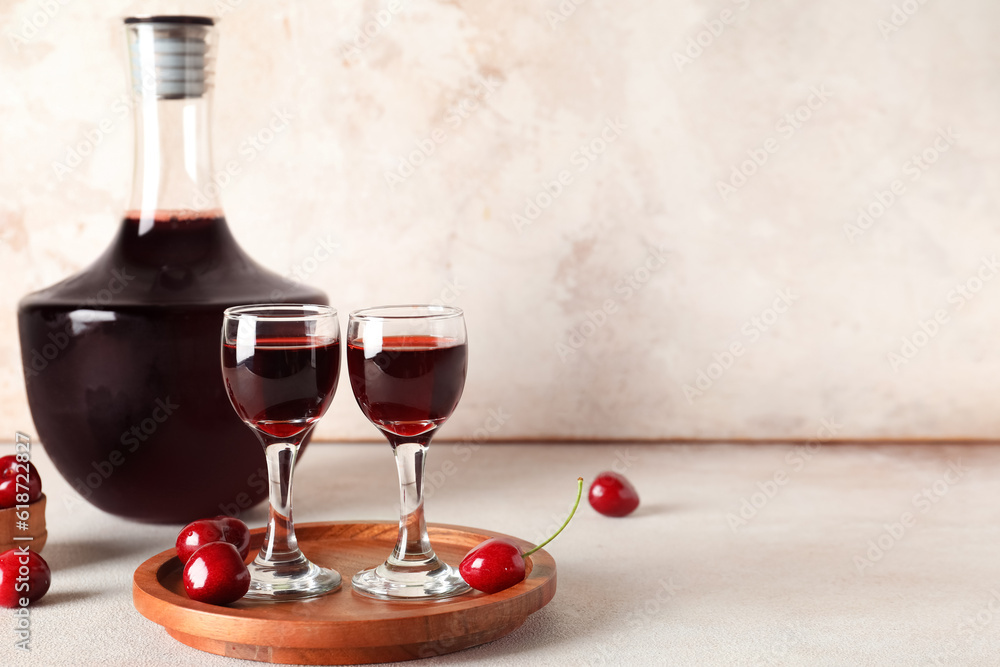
column 121, row 366
column 411, row 385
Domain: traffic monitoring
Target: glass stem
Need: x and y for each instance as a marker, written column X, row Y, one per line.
column 413, row 547
column 280, row 544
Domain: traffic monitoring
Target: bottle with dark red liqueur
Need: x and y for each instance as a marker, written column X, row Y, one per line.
column 122, row 361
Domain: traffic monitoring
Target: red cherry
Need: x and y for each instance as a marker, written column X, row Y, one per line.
column 498, row 564
column 205, row 531
column 34, row 585
column 237, row 533
column 215, row 574
column 493, row 565
column 12, row 473
column 613, row 495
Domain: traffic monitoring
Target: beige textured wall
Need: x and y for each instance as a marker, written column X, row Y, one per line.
column 850, row 102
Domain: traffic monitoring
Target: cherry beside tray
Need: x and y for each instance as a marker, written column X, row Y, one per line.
column 345, row 628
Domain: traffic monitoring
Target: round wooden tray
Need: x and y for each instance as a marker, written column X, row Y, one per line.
column 345, row 628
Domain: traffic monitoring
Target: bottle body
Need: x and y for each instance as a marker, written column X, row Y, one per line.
column 122, row 370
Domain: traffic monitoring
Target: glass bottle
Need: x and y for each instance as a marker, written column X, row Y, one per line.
column 121, row 361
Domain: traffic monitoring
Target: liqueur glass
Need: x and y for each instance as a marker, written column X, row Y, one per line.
column 280, row 364
column 407, row 366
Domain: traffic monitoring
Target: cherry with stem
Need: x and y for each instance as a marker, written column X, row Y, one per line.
column 498, row 563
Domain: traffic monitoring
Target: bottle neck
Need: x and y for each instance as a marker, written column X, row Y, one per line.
column 173, row 160
column 171, row 70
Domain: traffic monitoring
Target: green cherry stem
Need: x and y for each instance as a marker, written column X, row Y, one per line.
column 579, row 494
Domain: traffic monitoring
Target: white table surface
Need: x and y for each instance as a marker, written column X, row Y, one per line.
column 674, row 584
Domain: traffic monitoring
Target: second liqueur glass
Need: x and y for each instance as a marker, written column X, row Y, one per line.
column 280, row 364
column 407, row 366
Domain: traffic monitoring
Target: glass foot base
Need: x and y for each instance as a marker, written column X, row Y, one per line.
column 390, row 582
column 293, row 580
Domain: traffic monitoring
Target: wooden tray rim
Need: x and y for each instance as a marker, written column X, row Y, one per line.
column 192, row 617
